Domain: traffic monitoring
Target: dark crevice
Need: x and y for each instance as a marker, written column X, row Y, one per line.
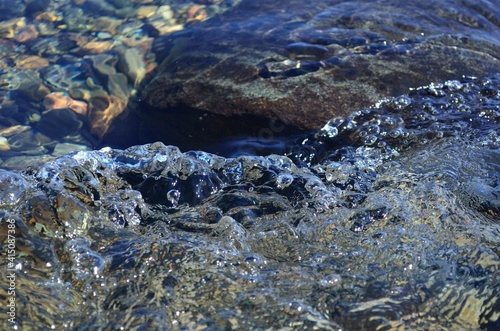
column 192, row 129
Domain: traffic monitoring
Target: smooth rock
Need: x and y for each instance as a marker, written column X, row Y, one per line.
column 4, row 144
column 66, row 148
column 9, row 28
column 59, row 123
column 304, row 63
column 131, row 62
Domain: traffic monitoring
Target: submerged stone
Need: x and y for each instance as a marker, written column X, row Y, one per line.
column 304, row 63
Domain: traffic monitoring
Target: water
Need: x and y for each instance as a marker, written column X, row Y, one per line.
column 384, row 219
column 405, row 235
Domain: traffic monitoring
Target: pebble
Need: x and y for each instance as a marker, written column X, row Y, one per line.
column 65, row 148
column 13, row 130
column 97, row 46
column 59, row 123
column 78, row 61
column 146, row 11
column 103, row 110
column 60, row 100
column 9, row 28
column 31, row 62
column 4, row 144
column 106, row 24
column 165, row 12
column 131, row 62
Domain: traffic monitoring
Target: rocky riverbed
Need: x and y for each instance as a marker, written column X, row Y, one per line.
column 386, row 217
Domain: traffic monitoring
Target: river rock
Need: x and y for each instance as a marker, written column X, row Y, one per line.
column 304, row 63
column 343, row 233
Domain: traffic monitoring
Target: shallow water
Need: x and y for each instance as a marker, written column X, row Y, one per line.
column 385, row 219
column 402, row 235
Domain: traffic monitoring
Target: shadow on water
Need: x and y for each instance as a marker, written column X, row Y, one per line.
column 192, row 129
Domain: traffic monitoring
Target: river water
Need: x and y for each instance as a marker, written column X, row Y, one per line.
column 387, row 218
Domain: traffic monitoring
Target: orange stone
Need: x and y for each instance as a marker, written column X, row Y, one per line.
column 103, row 112
column 79, row 107
column 60, row 100
column 197, row 13
column 56, row 100
column 97, row 47
column 31, row 62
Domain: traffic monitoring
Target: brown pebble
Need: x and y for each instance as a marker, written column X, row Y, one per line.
column 60, row 100
column 97, row 46
column 9, row 28
column 107, row 24
column 145, row 11
column 31, row 62
column 13, row 130
column 26, row 34
column 47, row 17
column 197, row 13
column 104, row 111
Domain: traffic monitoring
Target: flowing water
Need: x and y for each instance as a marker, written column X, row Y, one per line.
column 385, row 219
column 397, row 232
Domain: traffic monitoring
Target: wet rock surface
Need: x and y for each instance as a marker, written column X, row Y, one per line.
column 399, row 230
column 306, row 62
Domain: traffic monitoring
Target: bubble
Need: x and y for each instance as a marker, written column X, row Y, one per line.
column 12, row 188
column 402, row 102
column 173, row 197
column 453, row 85
column 85, row 262
column 373, row 128
column 396, row 132
column 348, row 124
column 284, row 180
column 388, row 121
column 339, row 173
column 313, row 184
column 307, row 52
column 331, row 280
column 330, row 131
column 369, row 139
column 456, row 99
column 436, row 89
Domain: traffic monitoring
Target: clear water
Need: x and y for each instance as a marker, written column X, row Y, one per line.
column 386, row 219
